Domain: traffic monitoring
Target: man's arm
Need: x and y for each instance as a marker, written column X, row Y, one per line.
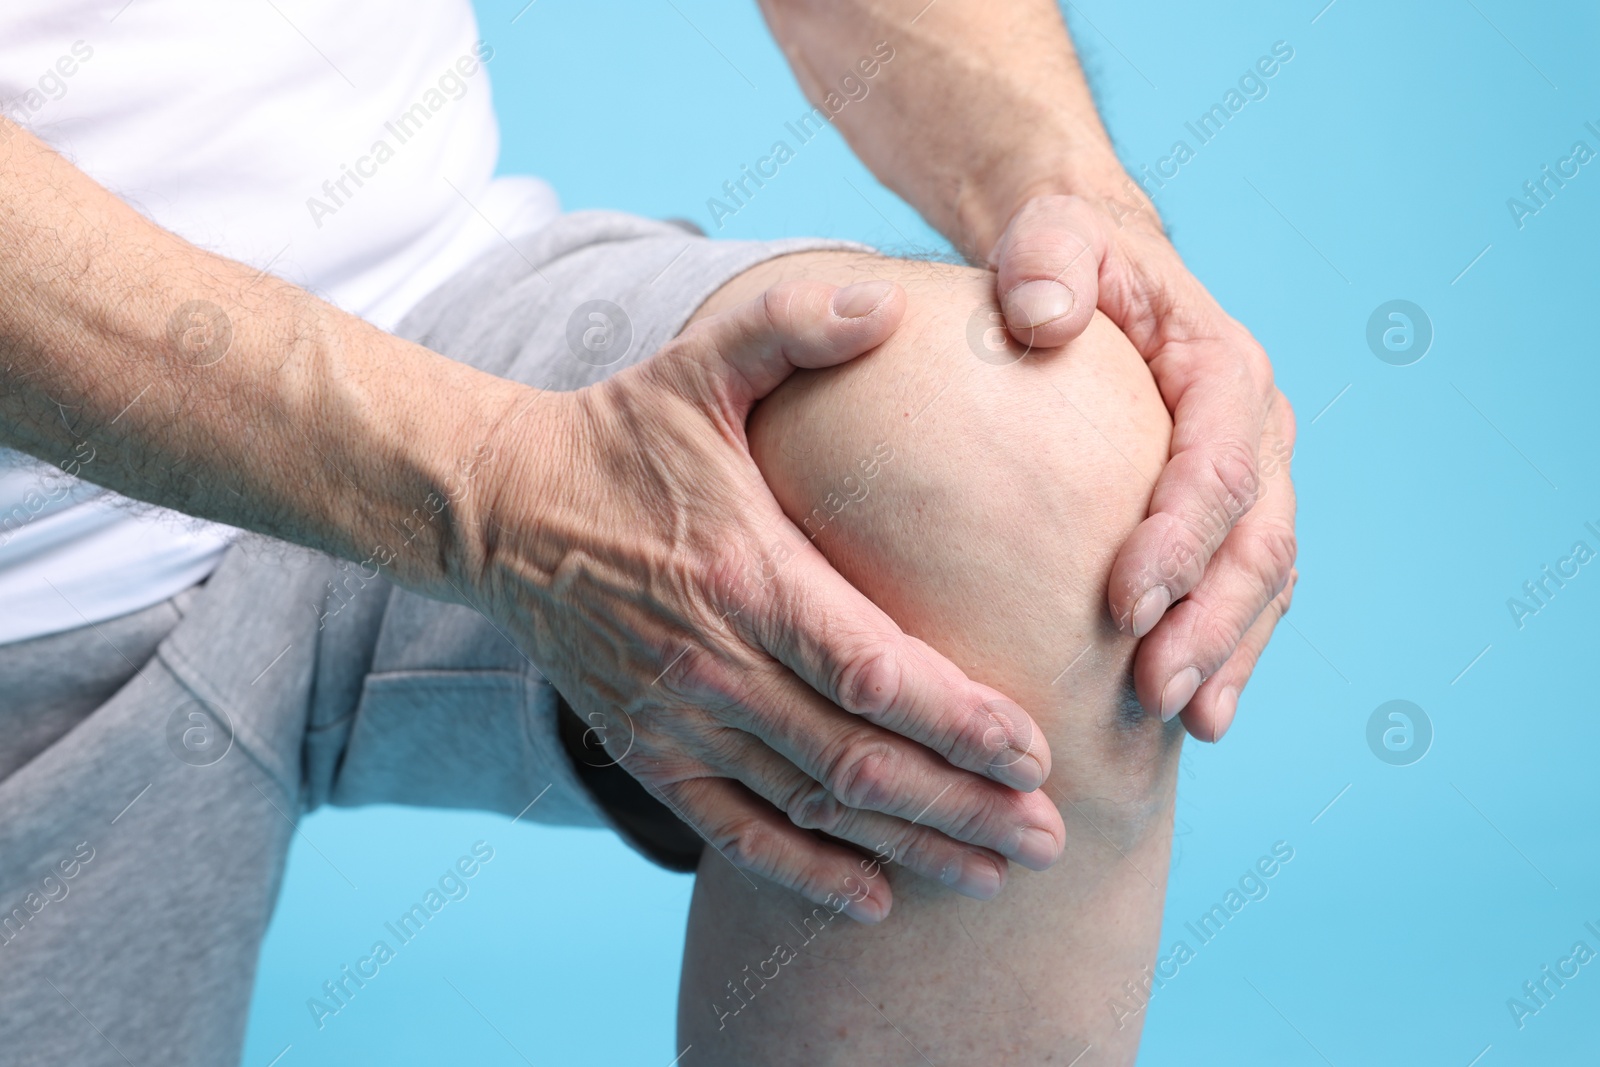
column 980, row 108
column 222, row 391
column 581, row 522
column 983, row 122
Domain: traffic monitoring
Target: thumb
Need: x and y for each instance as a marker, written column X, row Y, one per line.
column 746, row 352
column 1049, row 270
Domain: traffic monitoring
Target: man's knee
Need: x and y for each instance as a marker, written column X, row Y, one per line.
column 979, row 493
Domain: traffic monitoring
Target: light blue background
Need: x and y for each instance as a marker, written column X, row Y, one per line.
column 1378, row 167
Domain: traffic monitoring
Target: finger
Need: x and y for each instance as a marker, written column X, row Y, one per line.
column 1193, row 640
column 754, row 836
column 1211, row 479
column 1210, row 713
column 870, row 769
column 1048, row 262
column 739, row 356
column 974, row 872
column 847, row 649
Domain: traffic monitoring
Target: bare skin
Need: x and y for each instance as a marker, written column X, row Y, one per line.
column 577, row 521
column 990, row 534
column 982, row 120
column 206, row 386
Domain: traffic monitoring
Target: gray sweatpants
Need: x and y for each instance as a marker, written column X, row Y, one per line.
column 152, row 767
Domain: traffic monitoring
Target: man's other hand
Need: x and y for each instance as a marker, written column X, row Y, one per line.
column 1208, row 574
column 714, row 651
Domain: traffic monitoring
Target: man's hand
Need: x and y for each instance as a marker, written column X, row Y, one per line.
column 1219, row 543
column 716, row 653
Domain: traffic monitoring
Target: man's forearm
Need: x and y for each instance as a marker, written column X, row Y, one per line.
column 982, row 107
column 221, row 391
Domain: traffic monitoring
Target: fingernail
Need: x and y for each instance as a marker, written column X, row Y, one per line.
column 861, row 299
column 975, row 877
column 1227, row 704
column 1035, row 303
column 866, row 910
column 1033, row 848
column 1149, row 608
column 1179, row 691
column 1018, row 769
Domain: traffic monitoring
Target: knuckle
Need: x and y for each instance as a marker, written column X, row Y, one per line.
column 974, row 820
column 1257, row 364
column 814, row 808
column 703, row 678
column 989, row 731
column 1273, row 550
column 868, row 683
column 776, row 304
column 747, row 842
column 1285, row 599
column 722, row 573
column 1214, row 639
column 912, row 849
column 661, row 764
column 1233, row 468
column 751, row 844
column 861, row 772
column 732, row 582
column 717, row 745
column 1182, row 560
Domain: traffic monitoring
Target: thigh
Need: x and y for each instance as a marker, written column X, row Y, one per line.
column 583, row 297
column 139, row 854
column 978, row 493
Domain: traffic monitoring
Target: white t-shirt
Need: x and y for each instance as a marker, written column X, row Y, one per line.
column 347, row 147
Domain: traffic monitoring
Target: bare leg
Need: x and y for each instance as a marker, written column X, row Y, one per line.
column 988, row 531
